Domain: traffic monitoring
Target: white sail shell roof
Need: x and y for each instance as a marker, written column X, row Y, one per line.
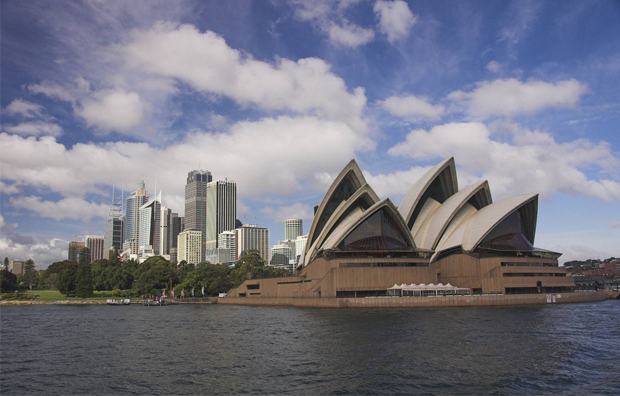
column 440, row 219
column 490, row 216
column 353, row 174
column 416, row 192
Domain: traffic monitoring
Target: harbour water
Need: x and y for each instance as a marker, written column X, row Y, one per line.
column 570, row 349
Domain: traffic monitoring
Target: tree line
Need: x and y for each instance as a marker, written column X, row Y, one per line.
column 128, row 278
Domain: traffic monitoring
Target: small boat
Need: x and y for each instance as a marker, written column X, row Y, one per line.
column 153, row 303
column 122, row 301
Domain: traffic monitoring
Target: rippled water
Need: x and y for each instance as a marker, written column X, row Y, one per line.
column 571, row 349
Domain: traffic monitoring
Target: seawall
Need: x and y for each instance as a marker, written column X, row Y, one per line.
column 421, row 302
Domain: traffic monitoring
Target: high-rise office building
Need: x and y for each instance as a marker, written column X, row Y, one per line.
column 132, row 216
column 16, row 267
column 74, row 250
column 281, row 257
column 293, row 228
column 176, row 227
column 253, row 237
column 221, row 210
column 164, row 233
column 114, row 231
column 196, row 203
column 95, row 244
column 150, row 224
column 189, row 247
column 300, row 246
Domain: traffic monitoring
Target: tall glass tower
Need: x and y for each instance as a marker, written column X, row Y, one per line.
column 196, row 203
column 221, row 210
column 132, row 218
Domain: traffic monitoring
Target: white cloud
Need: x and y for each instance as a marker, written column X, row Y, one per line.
column 270, row 155
column 295, row 211
column 411, row 105
column 67, row 208
column 9, row 189
column 396, row 183
column 36, row 128
column 26, row 109
column 52, row 90
column 113, row 110
column 511, row 96
column 207, row 63
column 532, row 163
column 494, row 67
column 349, row 35
column 329, row 18
column 395, row 19
column 43, row 251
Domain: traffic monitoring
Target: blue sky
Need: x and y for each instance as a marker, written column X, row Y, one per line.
column 279, row 95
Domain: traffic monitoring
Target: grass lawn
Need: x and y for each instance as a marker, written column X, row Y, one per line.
column 52, row 295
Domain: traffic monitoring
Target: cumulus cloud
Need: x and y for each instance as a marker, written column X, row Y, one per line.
column 395, row 19
column 295, row 211
column 266, row 156
column 394, row 184
column 328, row 17
column 411, row 105
column 208, row 64
column 24, row 108
column 9, row 189
column 349, row 35
column 113, row 110
column 511, row 96
column 67, row 208
column 532, row 162
column 36, row 128
column 43, row 251
column 51, row 90
column 494, row 67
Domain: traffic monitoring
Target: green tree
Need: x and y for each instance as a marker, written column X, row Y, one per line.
column 6, row 263
column 8, row 281
column 30, row 273
column 84, row 256
column 154, row 274
column 67, row 278
column 83, row 281
column 252, row 266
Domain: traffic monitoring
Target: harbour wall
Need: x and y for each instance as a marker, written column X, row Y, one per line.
column 421, row 302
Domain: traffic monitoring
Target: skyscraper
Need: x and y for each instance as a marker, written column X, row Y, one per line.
column 196, row 203
column 132, row 218
column 150, row 224
column 176, row 227
column 293, row 228
column 74, row 250
column 221, row 210
column 190, row 244
column 115, row 228
column 95, row 244
column 164, row 233
column 253, row 237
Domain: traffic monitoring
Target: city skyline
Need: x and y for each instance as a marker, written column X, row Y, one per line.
column 279, row 96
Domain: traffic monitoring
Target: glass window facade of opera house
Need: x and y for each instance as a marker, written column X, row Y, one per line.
column 359, row 245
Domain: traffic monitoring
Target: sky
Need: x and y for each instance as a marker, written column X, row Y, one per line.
column 280, row 95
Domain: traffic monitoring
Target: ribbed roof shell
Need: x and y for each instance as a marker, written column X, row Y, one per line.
column 440, row 219
column 341, row 232
column 365, row 194
column 445, row 172
column 351, row 174
column 490, row 216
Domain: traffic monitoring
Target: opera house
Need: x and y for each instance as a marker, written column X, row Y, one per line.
column 361, row 247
